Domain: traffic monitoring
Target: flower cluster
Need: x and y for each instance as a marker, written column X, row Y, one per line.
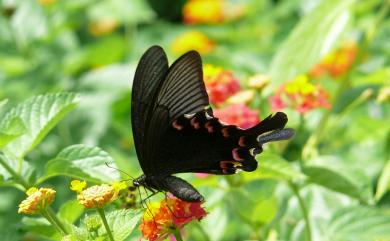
column 210, row 11
column 170, row 213
column 37, row 200
column 220, row 84
column 300, row 95
column 337, row 62
column 238, row 114
column 96, row 196
column 192, row 40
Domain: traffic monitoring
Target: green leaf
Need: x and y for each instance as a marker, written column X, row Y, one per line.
column 41, row 227
column 383, row 182
column 340, row 177
column 275, row 167
column 310, row 40
column 358, row 223
column 70, row 211
column 10, row 130
column 122, row 223
column 39, row 114
column 83, row 162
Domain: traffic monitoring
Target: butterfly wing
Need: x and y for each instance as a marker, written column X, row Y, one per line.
column 150, row 73
column 182, row 91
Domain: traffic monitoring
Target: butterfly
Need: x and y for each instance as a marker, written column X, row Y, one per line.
column 175, row 131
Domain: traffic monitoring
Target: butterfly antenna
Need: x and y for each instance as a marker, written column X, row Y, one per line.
column 131, row 178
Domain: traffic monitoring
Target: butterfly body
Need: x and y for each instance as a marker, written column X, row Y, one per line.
column 175, row 130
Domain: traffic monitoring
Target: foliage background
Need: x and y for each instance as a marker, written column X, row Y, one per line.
column 332, row 178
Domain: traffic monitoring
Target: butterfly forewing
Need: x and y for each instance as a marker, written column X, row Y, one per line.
column 150, row 73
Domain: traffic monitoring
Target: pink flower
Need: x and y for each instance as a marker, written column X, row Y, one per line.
column 238, row 114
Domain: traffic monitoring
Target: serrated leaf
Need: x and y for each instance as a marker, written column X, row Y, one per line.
column 304, row 47
column 10, row 130
column 70, row 211
column 275, row 167
column 122, row 222
column 39, row 114
column 359, row 223
column 83, row 162
column 334, row 175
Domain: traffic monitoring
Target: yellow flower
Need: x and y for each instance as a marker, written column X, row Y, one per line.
column 192, row 40
column 102, row 26
column 96, row 196
column 210, row 72
column 37, row 200
column 258, row 81
column 119, row 186
column 77, row 185
column 203, row 11
column 300, row 85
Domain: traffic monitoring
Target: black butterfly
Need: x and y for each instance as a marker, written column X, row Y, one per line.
column 175, row 131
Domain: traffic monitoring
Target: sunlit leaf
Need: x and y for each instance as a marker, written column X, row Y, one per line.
column 275, row 167
column 334, row 175
column 82, row 162
column 122, row 222
column 39, row 114
column 383, row 182
column 312, row 38
column 359, row 223
column 10, row 130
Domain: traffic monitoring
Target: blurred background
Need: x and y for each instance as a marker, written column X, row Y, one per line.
column 324, row 63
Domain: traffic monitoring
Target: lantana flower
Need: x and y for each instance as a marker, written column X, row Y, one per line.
column 337, row 62
column 220, row 83
column 300, row 95
column 238, row 114
column 192, row 40
column 37, row 200
column 201, row 11
column 172, row 213
column 96, row 196
column 211, row 11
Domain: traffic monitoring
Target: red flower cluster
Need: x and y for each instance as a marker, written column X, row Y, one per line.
column 238, row 114
column 336, row 63
column 300, row 95
column 220, row 84
column 170, row 213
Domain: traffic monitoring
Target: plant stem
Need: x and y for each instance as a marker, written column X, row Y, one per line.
column 304, row 210
column 46, row 215
column 53, row 216
column 177, row 234
column 201, row 230
column 11, row 171
column 103, row 217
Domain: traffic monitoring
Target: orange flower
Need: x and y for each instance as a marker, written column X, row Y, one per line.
column 238, row 114
column 170, row 213
column 337, row 62
column 301, row 95
column 220, row 83
column 203, row 11
column 37, row 200
column 192, row 40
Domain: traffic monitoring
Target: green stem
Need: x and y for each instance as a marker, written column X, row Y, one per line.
column 304, row 210
column 103, row 217
column 46, row 215
column 201, row 230
column 11, row 171
column 53, row 216
column 177, row 234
